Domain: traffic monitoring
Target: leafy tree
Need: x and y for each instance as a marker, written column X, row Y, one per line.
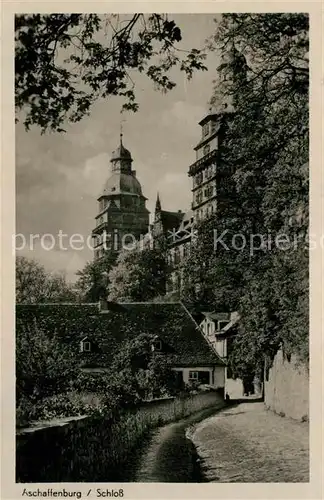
column 34, row 284
column 43, row 365
column 65, row 62
column 140, row 371
column 262, row 187
column 139, row 275
column 214, row 272
column 265, row 74
column 265, row 77
column 93, row 279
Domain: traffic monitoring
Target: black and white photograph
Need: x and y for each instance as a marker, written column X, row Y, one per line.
column 161, row 249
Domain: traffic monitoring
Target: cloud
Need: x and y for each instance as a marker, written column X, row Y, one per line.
column 59, row 176
column 186, row 114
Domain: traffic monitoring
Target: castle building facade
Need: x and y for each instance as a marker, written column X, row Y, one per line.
column 180, row 228
column 122, row 214
column 123, row 218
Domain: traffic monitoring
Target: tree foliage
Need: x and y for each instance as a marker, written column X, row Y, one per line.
column 34, row 284
column 141, row 371
column 43, row 365
column 139, row 275
column 93, row 279
column 262, row 187
column 65, row 62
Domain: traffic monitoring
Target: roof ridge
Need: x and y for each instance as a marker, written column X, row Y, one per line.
column 150, row 302
column 57, row 304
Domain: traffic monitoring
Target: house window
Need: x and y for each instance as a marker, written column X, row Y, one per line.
column 157, row 345
column 222, row 324
column 206, row 149
column 199, row 197
column 199, row 376
column 193, row 375
column 198, row 178
column 85, row 346
column 209, row 172
column 209, row 191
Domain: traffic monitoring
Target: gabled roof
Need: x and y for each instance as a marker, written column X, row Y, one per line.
column 171, row 220
column 119, row 322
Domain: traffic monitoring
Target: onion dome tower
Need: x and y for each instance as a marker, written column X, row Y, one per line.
column 122, row 214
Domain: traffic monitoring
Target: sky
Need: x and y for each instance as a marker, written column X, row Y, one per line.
column 59, row 176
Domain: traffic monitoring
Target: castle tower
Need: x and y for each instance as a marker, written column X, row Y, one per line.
column 122, row 214
column 210, row 176
column 204, row 171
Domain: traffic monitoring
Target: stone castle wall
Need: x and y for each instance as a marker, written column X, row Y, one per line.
column 286, row 388
column 92, row 449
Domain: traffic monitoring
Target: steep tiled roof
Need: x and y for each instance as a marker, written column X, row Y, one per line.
column 108, row 329
column 171, row 220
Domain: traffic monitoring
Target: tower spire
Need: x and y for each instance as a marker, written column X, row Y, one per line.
column 122, row 120
column 158, row 204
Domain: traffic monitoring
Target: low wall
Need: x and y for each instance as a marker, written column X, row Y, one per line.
column 94, row 449
column 234, row 388
column 286, row 388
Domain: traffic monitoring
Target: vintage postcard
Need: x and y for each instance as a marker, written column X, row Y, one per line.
column 162, row 225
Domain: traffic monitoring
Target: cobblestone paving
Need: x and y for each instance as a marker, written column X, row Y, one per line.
column 170, row 456
column 246, row 443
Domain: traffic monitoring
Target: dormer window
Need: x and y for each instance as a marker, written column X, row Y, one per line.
column 157, row 345
column 85, row 345
column 222, row 324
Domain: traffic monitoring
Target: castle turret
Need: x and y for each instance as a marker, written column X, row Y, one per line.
column 122, row 214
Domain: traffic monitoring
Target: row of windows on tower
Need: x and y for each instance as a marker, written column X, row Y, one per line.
column 208, row 192
column 206, row 211
column 120, row 218
column 205, row 175
column 208, row 128
column 126, row 201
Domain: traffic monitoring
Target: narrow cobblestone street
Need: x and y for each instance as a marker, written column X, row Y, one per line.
column 246, row 443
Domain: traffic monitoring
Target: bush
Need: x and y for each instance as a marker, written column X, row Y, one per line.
column 24, row 412
column 71, row 404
